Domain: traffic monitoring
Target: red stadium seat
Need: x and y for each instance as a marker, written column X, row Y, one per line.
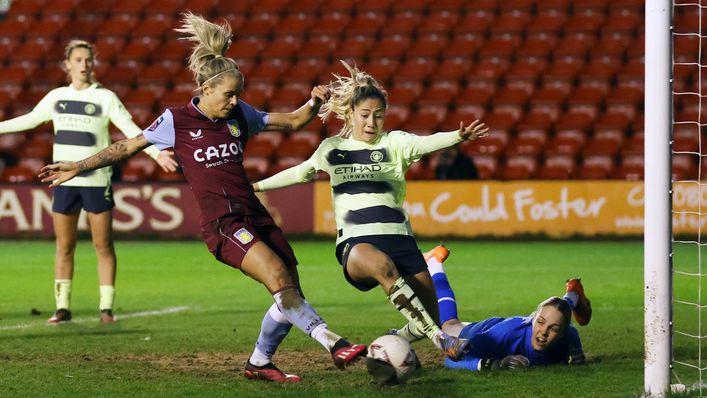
column 203, row 7
column 154, row 25
column 37, row 148
column 412, row 5
column 513, row 22
column 557, row 167
column 267, row 6
column 548, row 101
column 416, row 69
column 500, row 46
column 573, row 122
column 330, row 24
column 284, row 163
column 489, row 69
column 587, row 20
column 427, row 45
column 378, row 6
column 283, row 47
column 440, row 22
column 256, row 167
column 536, row 125
column 365, row 24
column 353, row 47
column 633, row 145
column 623, row 21
column 586, row 100
column 602, row 146
column 624, row 100
column 26, row 7
column 499, row 123
column 684, row 167
column 32, row 51
column 306, row 70
column 166, row 176
column 613, row 123
column 260, row 147
column 294, row 24
column 524, row 146
column 487, row 166
column 630, row 168
column 596, row 168
column 268, row 71
column 536, row 47
column 118, row 26
column 139, row 49
column 17, row 174
column 439, row 95
column 260, row 24
column 138, row 168
column 518, row 168
column 551, row 22
column 129, row 7
column 464, row 45
column 422, row 123
column 573, row 47
column 12, row 30
column 307, row 6
column 452, row 69
column 141, row 97
column 474, row 101
column 391, row 46
column 289, row 98
column 318, row 47
column 50, row 26
column 163, row 6
column 524, row 74
column 420, row 171
column 402, row 23
column 510, row 101
column 493, row 145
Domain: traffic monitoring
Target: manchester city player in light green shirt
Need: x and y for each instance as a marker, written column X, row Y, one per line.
column 81, row 113
column 375, row 243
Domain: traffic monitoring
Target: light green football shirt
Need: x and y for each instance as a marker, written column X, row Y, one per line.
column 367, row 180
column 80, row 119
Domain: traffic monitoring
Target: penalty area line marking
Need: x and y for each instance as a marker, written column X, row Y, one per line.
column 164, row 311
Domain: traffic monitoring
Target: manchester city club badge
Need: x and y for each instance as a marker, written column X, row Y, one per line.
column 233, row 128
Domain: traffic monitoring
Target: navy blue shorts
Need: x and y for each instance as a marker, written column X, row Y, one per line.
column 402, row 249
column 69, row 200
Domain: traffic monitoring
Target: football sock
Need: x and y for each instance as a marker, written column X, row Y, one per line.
column 571, row 298
column 445, row 298
column 273, row 330
column 62, row 293
column 107, row 296
column 301, row 314
column 410, row 333
column 405, row 300
column 434, row 266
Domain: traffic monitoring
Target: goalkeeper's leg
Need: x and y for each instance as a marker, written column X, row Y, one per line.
column 448, row 315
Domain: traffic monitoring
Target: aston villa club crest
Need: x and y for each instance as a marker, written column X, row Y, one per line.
column 243, row 235
column 233, row 128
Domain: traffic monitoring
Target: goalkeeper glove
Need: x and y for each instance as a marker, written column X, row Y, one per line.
column 509, row 362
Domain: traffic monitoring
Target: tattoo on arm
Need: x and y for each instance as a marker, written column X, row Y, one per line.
column 115, row 153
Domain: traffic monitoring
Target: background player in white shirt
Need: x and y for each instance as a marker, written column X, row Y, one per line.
column 81, row 113
column 375, row 243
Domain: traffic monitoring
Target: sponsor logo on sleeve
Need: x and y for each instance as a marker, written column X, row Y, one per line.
column 155, row 124
column 243, row 236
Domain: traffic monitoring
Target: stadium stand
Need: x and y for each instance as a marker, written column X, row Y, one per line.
column 559, row 82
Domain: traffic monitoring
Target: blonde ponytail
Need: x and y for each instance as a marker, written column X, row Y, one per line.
column 207, row 61
column 346, row 92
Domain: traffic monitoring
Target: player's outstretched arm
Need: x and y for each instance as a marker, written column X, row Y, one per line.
column 58, row 173
column 303, row 172
column 299, row 118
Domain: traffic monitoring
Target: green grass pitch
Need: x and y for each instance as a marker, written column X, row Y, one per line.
column 200, row 351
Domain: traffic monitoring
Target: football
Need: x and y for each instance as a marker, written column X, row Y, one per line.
column 391, row 360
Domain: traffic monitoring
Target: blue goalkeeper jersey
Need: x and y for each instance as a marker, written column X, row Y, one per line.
column 500, row 337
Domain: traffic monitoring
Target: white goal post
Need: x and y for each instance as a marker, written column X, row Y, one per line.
column 657, row 227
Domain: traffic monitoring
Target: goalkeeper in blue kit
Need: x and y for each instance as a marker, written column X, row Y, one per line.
column 542, row 338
